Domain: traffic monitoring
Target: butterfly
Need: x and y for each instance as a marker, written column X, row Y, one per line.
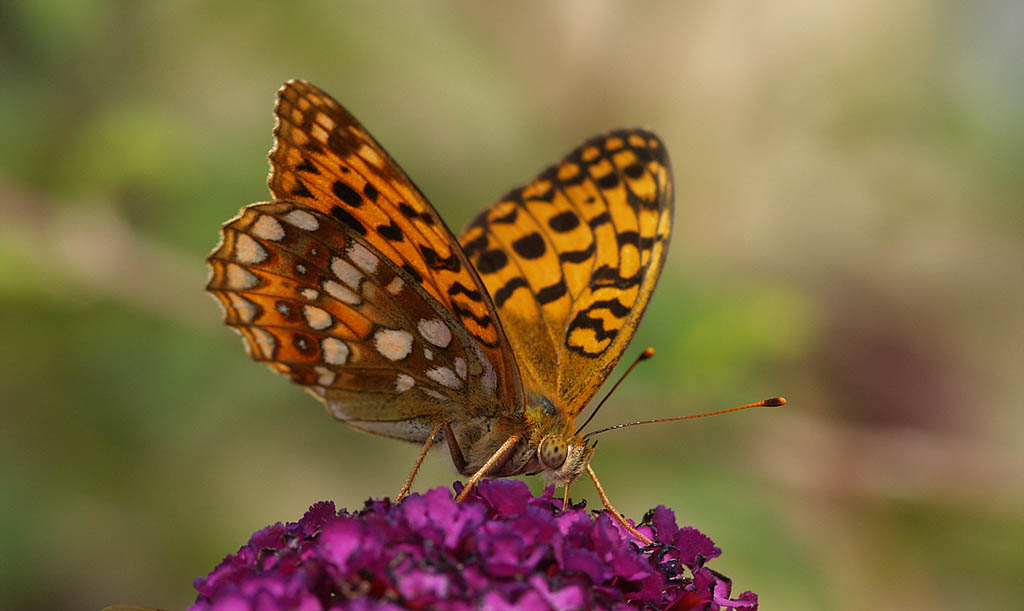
column 350, row 284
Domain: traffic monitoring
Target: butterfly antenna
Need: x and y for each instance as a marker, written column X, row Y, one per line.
column 773, row 402
column 646, row 354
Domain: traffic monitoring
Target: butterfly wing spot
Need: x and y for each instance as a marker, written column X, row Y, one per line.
column 436, row 332
column 313, row 294
column 319, row 133
column 393, row 344
column 248, row 251
column 268, row 228
column 530, row 246
column 342, row 293
column 346, row 272
column 404, row 382
column 335, row 351
column 317, row 318
column 491, row 261
column 265, row 341
column 326, row 121
column 240, row 279
column 564, row 222
column 395, row 286
column 490, row 377
column 247, row 310
column 445, row 377
column 302, row 219
column 325, row 377
column 613, row 143
column 370, row 156
column 346, row 194
column 460, row 367
column 428, row 354
column 363, row 258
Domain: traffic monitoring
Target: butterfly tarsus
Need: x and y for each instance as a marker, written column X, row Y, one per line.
column 611, row 509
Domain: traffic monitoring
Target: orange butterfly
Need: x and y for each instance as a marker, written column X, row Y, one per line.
column 351, row 284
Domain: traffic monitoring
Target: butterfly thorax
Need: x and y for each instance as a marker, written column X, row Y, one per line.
column 548, row 443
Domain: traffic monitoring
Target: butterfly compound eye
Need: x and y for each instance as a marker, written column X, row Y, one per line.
column 552, row 452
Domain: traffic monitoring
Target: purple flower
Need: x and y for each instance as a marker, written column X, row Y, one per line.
column 502, row 548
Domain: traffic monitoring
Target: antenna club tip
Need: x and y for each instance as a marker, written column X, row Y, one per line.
column 646, row 354
column 775, row 402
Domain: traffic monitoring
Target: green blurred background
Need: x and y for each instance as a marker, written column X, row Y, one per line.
column 849, row 234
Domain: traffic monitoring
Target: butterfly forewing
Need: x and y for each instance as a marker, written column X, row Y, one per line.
column 572, row 257
column 325, row 160
column 320, row 304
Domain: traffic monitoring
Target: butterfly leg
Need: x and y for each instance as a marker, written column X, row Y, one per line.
column 615, row 514
column 419, row 461
column 500, row 455
column 453, row 447
column 565, row 496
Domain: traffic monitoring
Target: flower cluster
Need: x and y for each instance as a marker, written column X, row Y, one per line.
column 502, row 548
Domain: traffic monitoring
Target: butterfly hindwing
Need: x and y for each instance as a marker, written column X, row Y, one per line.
column 325, row 160
column 317, row 302
column 571, row 259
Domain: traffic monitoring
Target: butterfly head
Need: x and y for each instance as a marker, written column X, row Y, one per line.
column 561, row 453
column 563, row 460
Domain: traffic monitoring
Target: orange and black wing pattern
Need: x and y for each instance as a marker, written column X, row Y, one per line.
column 325, row 159
column 350, row 284
column 317, row 302
column 571, row 259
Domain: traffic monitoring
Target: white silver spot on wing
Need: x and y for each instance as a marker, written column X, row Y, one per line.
column 248, row 250
column 346, row 272
column 302, row 220
column 490, row 379
column 395, row 286
column 428, row 354
column 317, row 318
column 342, row 293
column 267, row 228
column 240, row 278
column 246, row 309
column 393, row 344
column 325, row 377
column 335, row 351
column 363, row 258
column 435, row 332
column 445, row 377
column 283, row 308
column 404, row 382
column 300, row 268
column 310, row 294
column 460, row 367
column 265, row 341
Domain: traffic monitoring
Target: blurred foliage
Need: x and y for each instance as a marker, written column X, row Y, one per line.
column 849, row 234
